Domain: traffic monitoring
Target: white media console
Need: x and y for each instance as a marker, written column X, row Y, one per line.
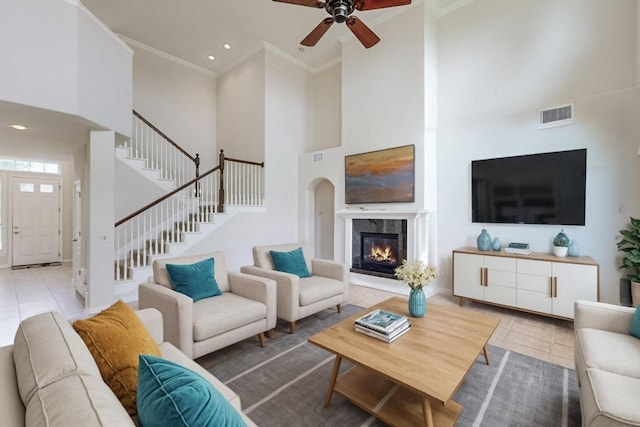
column 539, row 283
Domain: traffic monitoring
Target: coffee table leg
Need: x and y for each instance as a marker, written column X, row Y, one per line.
column 332, row 381
column 426, row 409
column 486, row 354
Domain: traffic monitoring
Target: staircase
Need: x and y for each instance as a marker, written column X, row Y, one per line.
column 192, row 207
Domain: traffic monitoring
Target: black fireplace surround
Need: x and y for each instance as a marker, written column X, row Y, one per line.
column 378, row 246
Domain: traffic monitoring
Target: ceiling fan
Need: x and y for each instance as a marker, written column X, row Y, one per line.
column 340, row 11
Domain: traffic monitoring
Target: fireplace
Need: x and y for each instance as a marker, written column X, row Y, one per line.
column 379, row 252
column 378, row 246
column 411, row 226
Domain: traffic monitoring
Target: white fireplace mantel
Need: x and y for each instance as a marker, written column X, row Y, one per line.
column 417, row 241
column 383, row 213
column 417, row 229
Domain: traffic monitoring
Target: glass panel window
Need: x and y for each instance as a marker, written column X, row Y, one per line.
column 29, row 166
column 37, row 167
column 7, row 164
column 51, row 168
column 22, row 165
column 27, row 187
column 46, row 188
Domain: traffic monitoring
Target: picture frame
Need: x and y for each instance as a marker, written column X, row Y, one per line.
column 382, row 176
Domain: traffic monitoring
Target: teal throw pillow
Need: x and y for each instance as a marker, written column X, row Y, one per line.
column 291, row 262
column 634, row 329
column 194, row 280
column 172, row 395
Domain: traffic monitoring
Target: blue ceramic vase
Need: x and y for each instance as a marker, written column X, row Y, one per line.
column 496, row 245
column 574, row 249
column 484, row 241
column 417, row 303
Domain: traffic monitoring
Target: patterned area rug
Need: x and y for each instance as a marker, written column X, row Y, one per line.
column 284, row 384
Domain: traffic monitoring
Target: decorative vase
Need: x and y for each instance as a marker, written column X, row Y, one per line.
column 560, row 251
column 417, row 303
column 484, row 241
column 574, row 249
column 496, row 245
column 561, row 239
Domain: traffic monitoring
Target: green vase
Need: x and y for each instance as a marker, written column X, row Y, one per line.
column 417, row 303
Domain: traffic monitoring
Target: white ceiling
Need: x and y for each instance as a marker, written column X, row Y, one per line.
column 192, row 30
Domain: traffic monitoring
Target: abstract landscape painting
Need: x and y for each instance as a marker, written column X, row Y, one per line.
column 384, row 176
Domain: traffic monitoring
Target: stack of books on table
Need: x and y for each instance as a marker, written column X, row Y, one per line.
column 383, row 325
column 518, row 248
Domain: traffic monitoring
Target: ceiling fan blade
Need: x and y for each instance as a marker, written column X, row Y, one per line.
column 317, row 32
column 367, row 37
column 378, row 4
column 310, row 3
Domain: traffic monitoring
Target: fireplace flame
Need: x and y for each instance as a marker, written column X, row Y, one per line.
column 382, row 254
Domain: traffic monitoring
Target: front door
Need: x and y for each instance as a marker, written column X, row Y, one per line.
column 36, row 221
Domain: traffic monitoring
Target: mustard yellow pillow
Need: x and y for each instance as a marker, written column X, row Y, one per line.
column 116, row 337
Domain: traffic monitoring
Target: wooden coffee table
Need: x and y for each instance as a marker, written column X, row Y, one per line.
column 411, row 381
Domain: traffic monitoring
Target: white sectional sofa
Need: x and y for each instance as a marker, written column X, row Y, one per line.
column 607, row 362
column 49, row 378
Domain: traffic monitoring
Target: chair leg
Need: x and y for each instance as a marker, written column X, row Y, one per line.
column 270, row 333
column 339, row 307
column 292, row 327
column 261, row 339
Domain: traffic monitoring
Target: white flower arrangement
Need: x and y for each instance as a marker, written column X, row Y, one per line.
column 415, row 273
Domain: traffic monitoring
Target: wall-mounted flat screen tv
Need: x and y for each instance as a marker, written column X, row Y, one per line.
column 383, row 176
column 547, row 188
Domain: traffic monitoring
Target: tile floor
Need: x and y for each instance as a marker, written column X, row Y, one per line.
column 24, row 293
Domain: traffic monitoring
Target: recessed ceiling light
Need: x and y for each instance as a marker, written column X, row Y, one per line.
column 18, row 127
column 211, row 57
column 226, row 46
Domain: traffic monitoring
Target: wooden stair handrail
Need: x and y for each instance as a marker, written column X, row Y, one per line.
column 166, row 196
column 195, row 159
column 220, row 167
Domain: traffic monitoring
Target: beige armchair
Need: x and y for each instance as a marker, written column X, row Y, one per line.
column 246, row 308
column 301, row 297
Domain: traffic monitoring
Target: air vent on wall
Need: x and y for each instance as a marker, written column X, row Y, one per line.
column 556, row 116
column 317, row 157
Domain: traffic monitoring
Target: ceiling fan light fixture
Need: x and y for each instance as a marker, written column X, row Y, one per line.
column 339, row 9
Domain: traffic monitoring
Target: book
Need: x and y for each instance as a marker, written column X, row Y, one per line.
column 381, row 321
column 517, row 251
column 517, row 245
column 396, row 327
column 383, row 337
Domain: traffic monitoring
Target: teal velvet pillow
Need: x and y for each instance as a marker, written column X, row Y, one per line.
column 290, row 262
column 194, row 280
column 172, row 395
column 634, row 329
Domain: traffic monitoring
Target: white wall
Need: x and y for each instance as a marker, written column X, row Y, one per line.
column 139, row 190
column 60, row 58
column 104, row 75
column 278, row 88
column 241, row 111
column 98, row 219
column 178, row 99
column 325, row 111
column 498, row 63
column 383, row 106
column 34, row 23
